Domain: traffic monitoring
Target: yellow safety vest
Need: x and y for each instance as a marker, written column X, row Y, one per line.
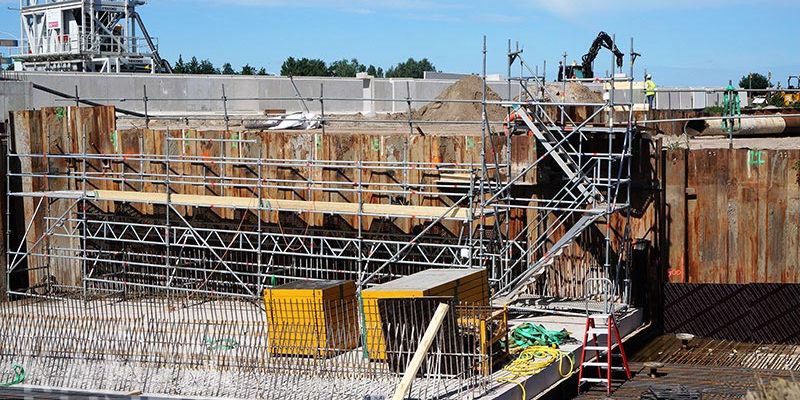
column 651, row 88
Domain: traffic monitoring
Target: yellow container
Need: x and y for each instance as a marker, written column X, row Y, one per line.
column 466, row 285
column 312, row 318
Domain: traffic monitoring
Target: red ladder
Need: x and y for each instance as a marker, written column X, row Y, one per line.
column 613, row 340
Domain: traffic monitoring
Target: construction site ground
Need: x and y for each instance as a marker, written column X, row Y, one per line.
column 130, row 353
column 718, row 369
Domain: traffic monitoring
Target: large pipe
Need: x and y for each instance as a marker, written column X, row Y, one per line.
column 773, row 125
column 87, row 102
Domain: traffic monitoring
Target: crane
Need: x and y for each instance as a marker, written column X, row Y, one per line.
column 586, row 70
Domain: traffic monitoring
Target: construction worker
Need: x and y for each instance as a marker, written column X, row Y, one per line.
column 650, row 91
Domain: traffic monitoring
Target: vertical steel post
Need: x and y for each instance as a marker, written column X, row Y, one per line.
column 168, row 208
column 506, row 241
column 407, row 143
column 322, row 106
column 484, row 169
column 7, row 270
column 146, row 115
column 609, row 200
column 563, row 86
column 259, row 214
column 84, row 266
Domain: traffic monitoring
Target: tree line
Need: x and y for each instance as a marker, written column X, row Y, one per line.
column 206, row 67
column 410, row 68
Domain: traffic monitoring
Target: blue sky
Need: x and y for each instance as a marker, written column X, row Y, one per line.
column 683, row 42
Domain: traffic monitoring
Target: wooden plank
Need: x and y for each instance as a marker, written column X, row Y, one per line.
column 56, row 141
column 422, row 350
column 759, row 161
column 393, row 150
column 775, row 243
column 792, row 223
column 708, row 249
column 744, row 245
column 279, row 204
column 28, row 140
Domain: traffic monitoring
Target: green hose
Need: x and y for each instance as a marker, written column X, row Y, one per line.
column 19, row 376
column 528, row 335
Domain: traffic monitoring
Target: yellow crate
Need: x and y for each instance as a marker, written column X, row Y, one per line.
column 468, row 286
column 312, row 318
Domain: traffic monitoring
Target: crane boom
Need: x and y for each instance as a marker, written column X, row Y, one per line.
column 586, row 69
column 603, row 40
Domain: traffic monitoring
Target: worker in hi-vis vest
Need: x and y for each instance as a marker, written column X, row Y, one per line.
column 650, row 91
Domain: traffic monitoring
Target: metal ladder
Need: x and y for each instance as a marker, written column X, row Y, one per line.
column 604, row 356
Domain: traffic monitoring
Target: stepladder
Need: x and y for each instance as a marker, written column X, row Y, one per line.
column 602, row 354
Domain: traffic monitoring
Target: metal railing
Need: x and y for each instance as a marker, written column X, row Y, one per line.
column 65, row 44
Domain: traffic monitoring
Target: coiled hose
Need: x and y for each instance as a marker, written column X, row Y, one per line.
column 533, row 360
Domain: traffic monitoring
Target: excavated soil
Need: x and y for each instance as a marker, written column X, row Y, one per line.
column 575, row 93
column 468, row 88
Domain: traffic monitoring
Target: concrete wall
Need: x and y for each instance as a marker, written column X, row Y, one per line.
column 203, row 93
column 182, row 94
column 14, row 96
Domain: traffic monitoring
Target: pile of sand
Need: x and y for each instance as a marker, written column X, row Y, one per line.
column 468, row 88
column 575, row 93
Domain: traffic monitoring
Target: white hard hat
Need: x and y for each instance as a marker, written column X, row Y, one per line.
column 648, row 76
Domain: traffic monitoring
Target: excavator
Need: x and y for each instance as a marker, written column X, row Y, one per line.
column 792, row 98
column 586, row 70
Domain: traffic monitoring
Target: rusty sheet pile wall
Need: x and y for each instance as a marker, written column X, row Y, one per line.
column 733, row 215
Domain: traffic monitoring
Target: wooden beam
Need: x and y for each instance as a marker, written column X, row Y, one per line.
column 422, row 351
column 428, row 212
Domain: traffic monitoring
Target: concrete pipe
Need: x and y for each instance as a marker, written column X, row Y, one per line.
column 776, row 125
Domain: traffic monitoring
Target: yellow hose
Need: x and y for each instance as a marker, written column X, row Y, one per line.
column 533, row 360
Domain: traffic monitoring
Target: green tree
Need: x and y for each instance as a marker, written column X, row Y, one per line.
column 346, row 68
column 411, row 68
column 180, row 66
column 206, row 68
column 192, row 66
column 227, row 69
column 376, row 72
column 262, row 71
column 754, row 80
column 304, row 67
column 248, row 70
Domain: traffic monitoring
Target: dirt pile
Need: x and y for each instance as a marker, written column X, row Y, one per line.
column 575, row 93
column 468, row 88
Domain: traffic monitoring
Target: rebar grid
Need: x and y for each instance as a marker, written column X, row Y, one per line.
column 175, row 343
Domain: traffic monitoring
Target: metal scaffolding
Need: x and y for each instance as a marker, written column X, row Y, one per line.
column 93, row 222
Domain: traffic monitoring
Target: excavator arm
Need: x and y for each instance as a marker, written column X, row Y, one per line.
column 603, row 40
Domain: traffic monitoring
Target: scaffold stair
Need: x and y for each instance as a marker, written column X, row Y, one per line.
column 554, row 146
column 537, row 268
